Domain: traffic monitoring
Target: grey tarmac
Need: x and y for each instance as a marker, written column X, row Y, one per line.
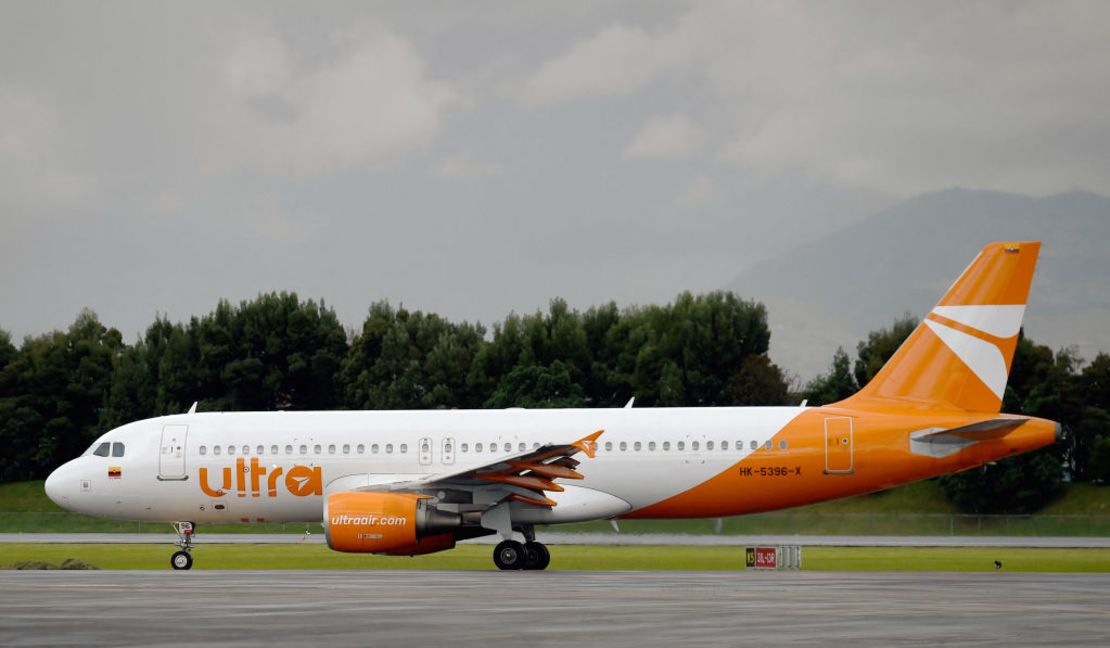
column 556, row 538
column 609, row 609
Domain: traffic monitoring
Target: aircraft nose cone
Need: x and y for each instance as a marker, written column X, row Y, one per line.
column 54, row 490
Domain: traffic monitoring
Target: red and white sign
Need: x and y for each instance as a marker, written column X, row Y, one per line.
column 766, row 558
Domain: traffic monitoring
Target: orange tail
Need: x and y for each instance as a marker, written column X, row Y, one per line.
column 959, row 356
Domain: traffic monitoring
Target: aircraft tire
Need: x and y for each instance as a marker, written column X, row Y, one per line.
column 509, row 554
column 181, row 560
column 537, row 556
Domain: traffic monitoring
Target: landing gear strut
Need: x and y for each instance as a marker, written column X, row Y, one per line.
column 531, row 555
column 183, row 558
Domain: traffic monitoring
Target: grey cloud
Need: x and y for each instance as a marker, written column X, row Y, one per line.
column 478, row 159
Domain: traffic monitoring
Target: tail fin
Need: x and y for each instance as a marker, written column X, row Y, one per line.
column 960, row 354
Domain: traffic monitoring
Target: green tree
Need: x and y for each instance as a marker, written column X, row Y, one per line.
column 535, row 386
column 880, row 345
column 835, row 385
column 272, row 352
column 758, row 382
column 1089, row 422
column 409, row 360
column 51, row 396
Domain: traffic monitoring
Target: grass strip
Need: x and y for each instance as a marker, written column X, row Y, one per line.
column 569, row 557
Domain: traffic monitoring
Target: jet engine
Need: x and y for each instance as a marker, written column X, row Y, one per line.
column 391, row 523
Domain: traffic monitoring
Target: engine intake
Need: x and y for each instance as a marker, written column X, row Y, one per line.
column 393, row 523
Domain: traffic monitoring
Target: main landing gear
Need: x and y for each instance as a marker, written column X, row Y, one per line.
column 183, row 558
column 510, row 554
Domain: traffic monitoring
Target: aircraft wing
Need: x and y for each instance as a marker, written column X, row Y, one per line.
column 527, row 476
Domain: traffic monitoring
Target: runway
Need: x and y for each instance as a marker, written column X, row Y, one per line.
column 611, row 609
column 555, row 538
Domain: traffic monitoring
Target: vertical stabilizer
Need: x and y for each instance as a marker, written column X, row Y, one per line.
column 960, row 355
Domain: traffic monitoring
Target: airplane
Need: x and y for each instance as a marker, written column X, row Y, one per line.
column 417, row 482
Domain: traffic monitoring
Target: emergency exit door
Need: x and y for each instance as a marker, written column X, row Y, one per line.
column 171, row 452
column 838, row 445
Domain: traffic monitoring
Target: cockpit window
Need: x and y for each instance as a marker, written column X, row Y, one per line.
column 102, row 449
column 117, row 449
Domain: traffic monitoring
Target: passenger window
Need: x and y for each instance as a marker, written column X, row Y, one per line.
column 651, row 445
column 316, row 449
column 273, row 450
column 389, row 448
column 681, row 446
column 666, row 445
column 755, row 444
column 636, row 446
column 374, row 448
column 304, row 450
column 694, row 446
column 117, row 449
column 724, row 445
column 477, row 447
column 204, row 450
column 230, row 450
column 522, row 447
column 331, row 448
column 404, row 448
column 624, row 446
column 708, row 445
column 493, row 447
column 346, row 448
column 260, row 450
column 288, row 449
column 361, row 448
column 782, row 445
column 508, row 447
column 767, row 444
column 535, row 445
column 216, row 450
column 464, row 447
column 608, row 446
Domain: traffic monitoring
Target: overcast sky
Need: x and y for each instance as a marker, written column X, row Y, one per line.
column 473, row 158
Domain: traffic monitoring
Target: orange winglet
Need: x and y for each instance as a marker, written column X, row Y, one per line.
column 536, row 501
column 588, row 444
column 553, row 471
column 529, row 482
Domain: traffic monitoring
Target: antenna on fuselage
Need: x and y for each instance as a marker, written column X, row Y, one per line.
column 628, row 405
column 193, row 409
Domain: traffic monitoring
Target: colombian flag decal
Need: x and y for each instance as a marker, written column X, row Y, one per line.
column 115, row 472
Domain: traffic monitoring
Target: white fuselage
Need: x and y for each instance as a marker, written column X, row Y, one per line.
column 187, row 467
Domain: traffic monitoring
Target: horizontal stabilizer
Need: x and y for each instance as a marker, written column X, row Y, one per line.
column 988, row 429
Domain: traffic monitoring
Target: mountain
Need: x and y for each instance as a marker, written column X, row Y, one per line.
column 832, row 291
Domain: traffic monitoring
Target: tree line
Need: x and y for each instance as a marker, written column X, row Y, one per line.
column 60, row 390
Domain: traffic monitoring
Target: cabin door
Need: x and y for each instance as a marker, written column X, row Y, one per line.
column 171, row 452
column 838, row 445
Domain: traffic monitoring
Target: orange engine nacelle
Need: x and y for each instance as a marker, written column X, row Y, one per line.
column 394, row 523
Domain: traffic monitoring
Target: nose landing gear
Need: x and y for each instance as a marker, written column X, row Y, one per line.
column 183, row 558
